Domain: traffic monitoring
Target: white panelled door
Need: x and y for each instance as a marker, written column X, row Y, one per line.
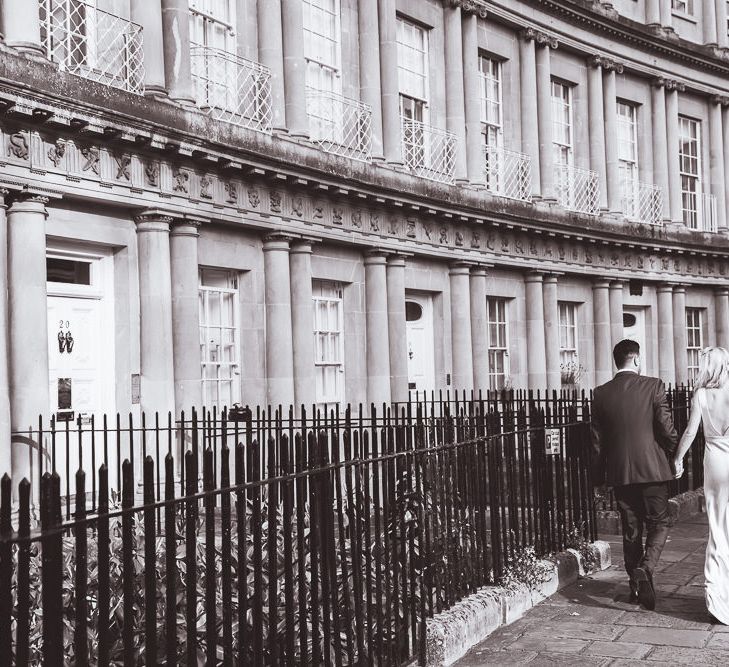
column 421, row 351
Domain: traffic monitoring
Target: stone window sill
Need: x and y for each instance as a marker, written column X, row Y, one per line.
column 685, row 17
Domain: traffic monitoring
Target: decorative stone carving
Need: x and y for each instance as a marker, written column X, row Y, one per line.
column 297, row 206
column 318, row 212
column 151, row 173
column 91, row 154
column 475, row 239
column 18, row 146
column 182, row 179
column 274, row 198
column 122, row 167
column 375, row 222
column 56, row 152
column 337, row 215
column 477, row 7
column 231, row 192
column 357, row 219
column 606, row 63
column 540, row 38
column 410, row 228
column 254, row 198
column 206, row 183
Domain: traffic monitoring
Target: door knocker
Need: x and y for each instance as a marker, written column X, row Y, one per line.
column 65, row 340
column 69, row 342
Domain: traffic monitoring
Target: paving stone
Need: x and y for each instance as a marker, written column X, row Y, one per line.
column 619, row 649
column 606, row 614
column 666, row 636
column 489, row 657
column 574, row 629
column 689, row 656
column 565, row 660
column 671, row 556
column 678, row 578
column 547, row 644
column 624, row 662
column 720, row 640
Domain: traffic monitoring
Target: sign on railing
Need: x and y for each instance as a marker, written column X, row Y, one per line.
column 507, row 173
column 340, row 125
column 429, row 151
column 232, row 88
column 93, row 43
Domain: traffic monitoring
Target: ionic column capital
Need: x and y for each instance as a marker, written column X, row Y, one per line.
column 28, row 202
column 534, row 277
column 665, row 288
column 477, row 7
column 539, row 38
column 185, row 228
column 722, row 100
column 721, row 290
column 153, row 220
column 301, row 247
column 605, row 63
column 601, row 283
column 668, row 84
column 396, row 260
column 479, row 271
column 276, row 241
column 374, row 257
column 459, row 269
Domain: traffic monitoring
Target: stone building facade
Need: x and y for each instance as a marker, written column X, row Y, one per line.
column 210, row 202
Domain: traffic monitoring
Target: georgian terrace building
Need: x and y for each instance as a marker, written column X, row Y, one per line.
column 319, row 201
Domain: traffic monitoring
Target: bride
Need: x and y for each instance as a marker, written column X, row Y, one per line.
column 710, row 405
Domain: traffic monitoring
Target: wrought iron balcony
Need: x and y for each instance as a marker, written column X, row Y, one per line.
column 577, row 189
column 642, row 202
column 339, row 124
column 93, row 43
column 429, row 151
column 507, row 173
column 232, row 88
column 708, row 220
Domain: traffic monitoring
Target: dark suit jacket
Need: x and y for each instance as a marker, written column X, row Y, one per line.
column 633, row 436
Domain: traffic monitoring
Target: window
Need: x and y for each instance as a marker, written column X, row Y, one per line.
column 212, row 24
column 628, row 157
column 683, row 6
column 412, row 69
column 68, row 271
column 219, row 337
column 328, row 343
column 569, row 365
column 562, row 124
column 694, row 341
column 498, row 342
column 322, row 30
column 690, row 168
column 491, row 124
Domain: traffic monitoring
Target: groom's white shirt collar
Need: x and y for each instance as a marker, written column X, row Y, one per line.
column 626, row 370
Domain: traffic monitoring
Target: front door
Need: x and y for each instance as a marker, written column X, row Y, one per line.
column 634, row 329
column 421, row 353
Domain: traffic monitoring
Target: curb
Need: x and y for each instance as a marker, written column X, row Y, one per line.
column 450, row 634
column 681, row 506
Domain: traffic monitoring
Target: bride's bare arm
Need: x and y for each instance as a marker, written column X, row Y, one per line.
column 691, row 429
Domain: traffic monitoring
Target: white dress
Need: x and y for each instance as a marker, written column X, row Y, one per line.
column 716, row 491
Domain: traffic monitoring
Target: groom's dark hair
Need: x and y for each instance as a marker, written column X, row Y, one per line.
column 624, row 351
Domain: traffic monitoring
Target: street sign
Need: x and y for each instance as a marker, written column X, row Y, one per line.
column 551, row 442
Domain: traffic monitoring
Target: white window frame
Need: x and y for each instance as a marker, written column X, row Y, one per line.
column 206, row 293
column 204, row 12
column 331, row 293
column 695, row 326
column 628, row 160
column 490, row 74
column 691, row 200
column 316, row 66
column 558, row 102
column 409, row 99
column 497, row 314
column 567, row 353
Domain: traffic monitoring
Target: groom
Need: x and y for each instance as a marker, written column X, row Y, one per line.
column 634, row 442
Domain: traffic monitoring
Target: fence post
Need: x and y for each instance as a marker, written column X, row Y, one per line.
column 103, row 565
column 6, row 572
column 210, row 569
column 80, row 637
column 191, row 551
column 150, row 584
column 127, row 562
column 170, row 564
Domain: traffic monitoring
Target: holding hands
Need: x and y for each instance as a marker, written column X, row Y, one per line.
column 678, row 467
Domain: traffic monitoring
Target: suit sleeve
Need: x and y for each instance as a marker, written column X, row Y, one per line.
column 663, row 427
column 598, row 451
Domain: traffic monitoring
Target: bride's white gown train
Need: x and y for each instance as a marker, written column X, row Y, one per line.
column 716, row 491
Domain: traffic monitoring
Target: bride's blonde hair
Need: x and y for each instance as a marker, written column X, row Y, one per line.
column 713, row 368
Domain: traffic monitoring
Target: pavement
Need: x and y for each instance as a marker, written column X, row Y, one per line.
column 593, row 622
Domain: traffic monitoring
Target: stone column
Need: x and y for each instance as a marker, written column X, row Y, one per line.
column 455, row 109
column 21, row 25
column 528, row 105
column 279, row 346
column 596, row 126
column 536, row 361
column 664, row 314
column 551, row 332
column 725, row 145
column 674, row 176
column 28, row 323
column 544, row 121
column 5, row 424
column 479, row 329
column 472, row 90
column 616, row 313
column 461, row 344
column 302, row 324
column 185, row 315
column 652, row 12
column 612, row 163
column 369, row 69
column 679, row 333
column 148, row 14
column 297, row 119
column 708, row 20
column 721, row 301
column 155, row 314
column 716, row 160
column 378, row 339
column 391, row 135
column 176, row 42
column 270, row 54
column 602, row 334
column 721, row 16
column 660, row 147
column 666, row 14
column 396, row 328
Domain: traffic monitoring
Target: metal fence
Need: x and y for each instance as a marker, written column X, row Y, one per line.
column 577, row 189
column 429, row 152
column 507, row 173
column 330, row 542
column 642, row 202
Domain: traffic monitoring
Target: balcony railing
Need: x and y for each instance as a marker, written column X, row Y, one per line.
column 642, row 202
column 93, row 43
column 232, row 88
column 340, row 125
column 708, row 221
column 577, row 189
column 507, row 173
column 428, row 151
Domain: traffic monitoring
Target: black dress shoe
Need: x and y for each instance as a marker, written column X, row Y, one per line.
column 646, row 592
column 633, row 591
